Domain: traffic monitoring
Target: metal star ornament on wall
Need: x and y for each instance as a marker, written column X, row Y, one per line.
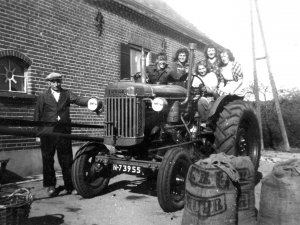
column 99, row 22
column 163, row 45
column 9, row 75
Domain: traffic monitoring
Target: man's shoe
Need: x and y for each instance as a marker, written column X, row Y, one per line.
column 51, row 191
column 72, row 192
column 206, row 128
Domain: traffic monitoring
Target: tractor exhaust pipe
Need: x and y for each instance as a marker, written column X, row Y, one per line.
column 143, row 67
column 192, row 47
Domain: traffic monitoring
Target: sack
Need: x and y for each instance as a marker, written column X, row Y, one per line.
column 246, row 196
column 280, row 195
column 211, row 194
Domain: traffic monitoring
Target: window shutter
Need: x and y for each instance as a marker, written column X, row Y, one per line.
column 125, row 61
column 153, row 57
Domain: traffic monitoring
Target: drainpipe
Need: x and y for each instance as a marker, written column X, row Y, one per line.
column 192, row 47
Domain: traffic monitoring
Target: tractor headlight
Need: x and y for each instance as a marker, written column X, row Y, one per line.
column 159, row 104
column 94, row 104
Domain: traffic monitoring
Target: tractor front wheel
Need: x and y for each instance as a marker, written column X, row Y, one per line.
column 89, row 178
column 171, row 179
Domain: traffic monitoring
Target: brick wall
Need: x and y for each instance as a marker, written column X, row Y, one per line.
column 61, row 36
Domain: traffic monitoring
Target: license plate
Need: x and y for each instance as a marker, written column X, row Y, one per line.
column 127, row 169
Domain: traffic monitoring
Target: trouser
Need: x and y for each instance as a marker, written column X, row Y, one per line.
column 65, row 159
column 204, row 104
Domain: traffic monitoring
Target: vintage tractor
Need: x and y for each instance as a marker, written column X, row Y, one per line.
column 153, row 130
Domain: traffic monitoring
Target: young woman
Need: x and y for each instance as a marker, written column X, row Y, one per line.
column 179, row 67
column 212, row 60
column 231, row 74
column 206, row 84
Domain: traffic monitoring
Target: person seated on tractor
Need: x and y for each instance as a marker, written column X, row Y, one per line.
column 212, row 60
column 231, row 75
column 204, row 86
column 158, row 73
column 179, row 67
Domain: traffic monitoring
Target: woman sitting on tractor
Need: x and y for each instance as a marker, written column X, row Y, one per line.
column 231, row 75
column 180, row 67
column 205, row 86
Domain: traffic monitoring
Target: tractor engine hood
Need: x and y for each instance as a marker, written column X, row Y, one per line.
column 128, row 88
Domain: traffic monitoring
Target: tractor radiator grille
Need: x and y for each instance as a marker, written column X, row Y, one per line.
column 123, row 116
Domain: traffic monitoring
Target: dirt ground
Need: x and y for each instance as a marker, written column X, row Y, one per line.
column 129, row 200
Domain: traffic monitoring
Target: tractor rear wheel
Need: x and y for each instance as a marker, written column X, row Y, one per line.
column 237, row 131
column 171, row 179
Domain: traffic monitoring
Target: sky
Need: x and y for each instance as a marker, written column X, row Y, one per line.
column 228, row 22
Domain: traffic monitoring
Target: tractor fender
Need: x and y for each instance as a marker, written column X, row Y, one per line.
column 219, row 104
column 89, row 146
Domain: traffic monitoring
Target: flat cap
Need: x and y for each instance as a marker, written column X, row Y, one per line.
column 54, row 76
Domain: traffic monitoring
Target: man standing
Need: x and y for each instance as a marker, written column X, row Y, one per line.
column 53, row 105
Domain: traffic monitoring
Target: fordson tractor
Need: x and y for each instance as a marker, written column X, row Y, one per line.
column 153, row 130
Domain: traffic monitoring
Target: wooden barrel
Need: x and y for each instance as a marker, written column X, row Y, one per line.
column 210, row 192
column 246, row 196
column 280, row 195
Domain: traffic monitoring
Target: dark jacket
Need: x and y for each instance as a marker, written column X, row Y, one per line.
column 156, row 75
column 48, row 110
column 178, row 73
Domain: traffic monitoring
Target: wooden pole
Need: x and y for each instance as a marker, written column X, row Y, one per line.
column 273, row 85
column 256, row 88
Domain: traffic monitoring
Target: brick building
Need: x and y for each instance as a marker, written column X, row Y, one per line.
column 91, row 42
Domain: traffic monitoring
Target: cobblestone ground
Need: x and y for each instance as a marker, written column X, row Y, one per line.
column 129, row 200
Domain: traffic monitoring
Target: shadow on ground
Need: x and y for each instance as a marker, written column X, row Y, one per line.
column 54, row 219
column 146, row 186
column 8, row 176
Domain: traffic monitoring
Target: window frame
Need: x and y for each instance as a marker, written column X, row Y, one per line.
column 24, row 62
column 126, row 63
column 17, row 61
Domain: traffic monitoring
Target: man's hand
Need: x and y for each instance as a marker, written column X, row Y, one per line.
column 147, row 78
column 137, row 75
column 186, row 69
column 37, row 139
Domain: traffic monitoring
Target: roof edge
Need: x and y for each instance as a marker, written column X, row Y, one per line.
column 140, row 8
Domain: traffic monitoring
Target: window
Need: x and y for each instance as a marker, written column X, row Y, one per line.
column 13, row 71
column 135, row 61
column 12, row 75
column 131, row 60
